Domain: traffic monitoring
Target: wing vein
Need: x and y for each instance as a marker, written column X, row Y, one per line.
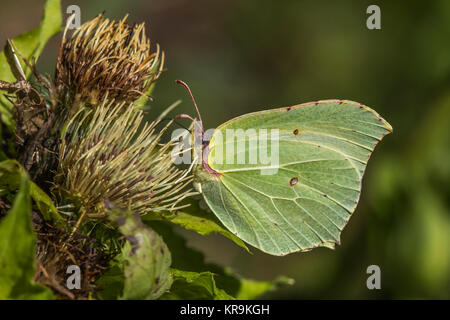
column 346, row 156
column 339, row 138
column 226, row 209
column 245, row 207
column 351, row 130
column 298, row 231
column 298, row 196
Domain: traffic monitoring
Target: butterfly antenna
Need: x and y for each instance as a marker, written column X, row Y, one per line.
column 192, row 97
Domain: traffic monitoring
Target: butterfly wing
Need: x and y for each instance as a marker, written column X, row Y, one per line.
column 307, row 196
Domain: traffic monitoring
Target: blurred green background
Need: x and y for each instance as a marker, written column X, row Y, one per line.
column 243, row 56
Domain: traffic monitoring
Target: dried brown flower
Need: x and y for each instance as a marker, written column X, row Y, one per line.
column 107, row 58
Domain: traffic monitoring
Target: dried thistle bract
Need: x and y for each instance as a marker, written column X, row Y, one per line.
column 107, row 58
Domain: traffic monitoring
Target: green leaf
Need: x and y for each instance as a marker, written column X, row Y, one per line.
column 251, row 289
column 43, row 203
column 191, row 260
column 29, row 44
column 144, row 263
column 17, row 251
column 201, row 221
column 11, row 174
column 111, row 283
column 183, row 257
column 194, row 286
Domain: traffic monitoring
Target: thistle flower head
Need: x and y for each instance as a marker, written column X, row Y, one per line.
column 107, row 58
column 106, row 155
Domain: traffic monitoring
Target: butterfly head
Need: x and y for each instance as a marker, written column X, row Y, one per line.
column 199, row 132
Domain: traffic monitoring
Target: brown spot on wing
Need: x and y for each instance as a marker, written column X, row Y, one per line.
column 293, row 181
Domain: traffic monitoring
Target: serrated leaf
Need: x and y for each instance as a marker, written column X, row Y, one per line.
column 17, row 251
column 145, row 260
column 183, row 257
column 188, row 259
column 29, row 44
column 251, row 289
column 11, row 174
column 201, row 221
column 195, row 285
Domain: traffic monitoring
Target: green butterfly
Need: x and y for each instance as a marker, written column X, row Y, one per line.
column 305, row 199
